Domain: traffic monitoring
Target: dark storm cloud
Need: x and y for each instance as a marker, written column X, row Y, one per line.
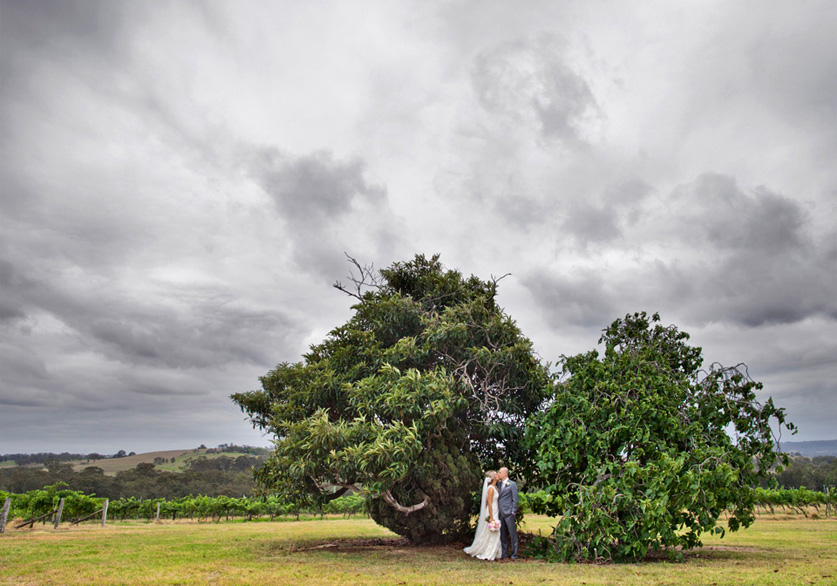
column 21, row 370
column 710, row 251
column 180, row 181
column 23, row 401
column 315, row 188
column 201, row 327
column 529, row 81
column 203, row 335
column 40, row 22
column 15, row 288
column 327, row 205
column 759, row 263
column 723, row 216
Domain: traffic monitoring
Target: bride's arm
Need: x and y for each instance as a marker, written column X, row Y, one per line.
column 489, row 500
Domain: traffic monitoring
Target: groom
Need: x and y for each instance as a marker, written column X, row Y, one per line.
column 507, row 503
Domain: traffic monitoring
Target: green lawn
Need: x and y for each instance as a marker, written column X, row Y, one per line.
column 780, row 550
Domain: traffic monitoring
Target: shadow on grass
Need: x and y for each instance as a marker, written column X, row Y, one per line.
column 398, row 547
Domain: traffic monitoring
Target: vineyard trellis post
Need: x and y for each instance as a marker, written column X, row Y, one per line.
column 58, row 512
column 105, row 511
column 5, row 514
column 157, row 519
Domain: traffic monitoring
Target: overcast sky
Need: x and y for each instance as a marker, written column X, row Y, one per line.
column 180, row 181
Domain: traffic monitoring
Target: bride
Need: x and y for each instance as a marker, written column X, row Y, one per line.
column 486, row 544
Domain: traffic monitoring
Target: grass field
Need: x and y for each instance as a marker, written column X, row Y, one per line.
column 781, row 550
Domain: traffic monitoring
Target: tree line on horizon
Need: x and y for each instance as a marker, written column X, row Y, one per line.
column 220, row 476
column 21, row 459
column 29, row 459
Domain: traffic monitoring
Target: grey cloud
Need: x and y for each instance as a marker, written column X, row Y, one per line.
column 591, row 223
column 759, row 262
column 14, row 287
column 528, row 81
column 21, row 367
column 10, row 313
column 144, row 387
column 520, row 210
column 314, row 188
column 74, row 33
column 40, row 22
column 709, row 252
column 792, row 69
column 201, row 328
column 726, row 217
column 758, row 290
column 206, row 334
column 628, row 197
column 23, row 402
column 601, row 220
column 25, row 376
column 582, row 299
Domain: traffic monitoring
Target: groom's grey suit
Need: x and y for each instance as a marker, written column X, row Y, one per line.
column 507, row 504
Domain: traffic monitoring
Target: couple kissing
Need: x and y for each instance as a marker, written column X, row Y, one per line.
column 496, row 536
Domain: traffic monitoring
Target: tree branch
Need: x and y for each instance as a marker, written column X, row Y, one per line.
column 387, row 496
column 345, row 487
column 337, row 494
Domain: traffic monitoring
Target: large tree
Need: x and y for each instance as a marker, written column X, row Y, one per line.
column 641, row 448
column 427, row 383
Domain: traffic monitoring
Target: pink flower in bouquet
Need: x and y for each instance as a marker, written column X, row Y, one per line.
column 494, row 526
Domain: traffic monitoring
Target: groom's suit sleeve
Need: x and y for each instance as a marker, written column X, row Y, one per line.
column 514, row 498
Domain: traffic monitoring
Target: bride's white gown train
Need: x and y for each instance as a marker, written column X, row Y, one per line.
column 486, row 544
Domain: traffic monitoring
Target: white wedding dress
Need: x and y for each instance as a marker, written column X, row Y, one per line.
column 486, row 544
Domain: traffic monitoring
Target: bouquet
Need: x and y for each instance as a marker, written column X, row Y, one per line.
column 494, row 526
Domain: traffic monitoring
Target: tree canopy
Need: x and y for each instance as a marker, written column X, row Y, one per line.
column 427, row 384
column 641, row 448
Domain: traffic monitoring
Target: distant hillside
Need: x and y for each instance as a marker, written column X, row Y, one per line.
column 810, row 449
column 168, row 460
column 225, row 470
column 164, row 460
column 113, row 465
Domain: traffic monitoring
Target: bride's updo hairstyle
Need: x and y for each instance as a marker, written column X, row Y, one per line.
column 491, row 474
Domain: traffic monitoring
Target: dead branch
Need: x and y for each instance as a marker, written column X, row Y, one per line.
column 496, row 280
column 366, row 277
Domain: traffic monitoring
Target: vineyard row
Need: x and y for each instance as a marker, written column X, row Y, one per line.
column 77, row 504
